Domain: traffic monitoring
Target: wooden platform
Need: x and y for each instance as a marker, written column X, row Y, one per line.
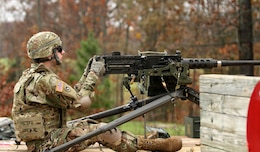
column 189, row 145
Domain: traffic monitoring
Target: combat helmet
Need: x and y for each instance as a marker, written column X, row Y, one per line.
column 42, row 45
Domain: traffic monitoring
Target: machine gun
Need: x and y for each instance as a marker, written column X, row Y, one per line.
column 164, row 78
column 157, row 72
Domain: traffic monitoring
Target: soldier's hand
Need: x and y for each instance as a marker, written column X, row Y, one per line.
column 98, row 67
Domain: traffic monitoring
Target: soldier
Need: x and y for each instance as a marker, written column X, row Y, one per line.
column 41, row 99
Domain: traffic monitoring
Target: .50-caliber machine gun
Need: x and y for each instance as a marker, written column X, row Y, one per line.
column 162, row 77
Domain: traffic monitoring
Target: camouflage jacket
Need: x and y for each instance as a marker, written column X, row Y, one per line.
column 41, row 99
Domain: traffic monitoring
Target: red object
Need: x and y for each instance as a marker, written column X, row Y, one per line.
column 253, row 121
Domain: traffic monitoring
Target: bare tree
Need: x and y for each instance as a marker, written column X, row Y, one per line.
column 245, row 35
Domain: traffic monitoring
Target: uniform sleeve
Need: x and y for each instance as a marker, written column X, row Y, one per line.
column 61, row 95
column 57, row 93
column 88, row 85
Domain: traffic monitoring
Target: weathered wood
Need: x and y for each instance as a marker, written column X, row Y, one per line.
column 222, row 140
column 223, row 122
column 224, row 100
column 211, row 149
column 226, row 104
column 228, row 84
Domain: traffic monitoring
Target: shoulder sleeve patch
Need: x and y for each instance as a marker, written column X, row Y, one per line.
column 59, row 86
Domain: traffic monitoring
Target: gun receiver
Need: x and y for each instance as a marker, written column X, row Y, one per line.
column 158, row 72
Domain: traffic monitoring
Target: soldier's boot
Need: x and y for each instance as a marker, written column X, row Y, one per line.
column 160, row 144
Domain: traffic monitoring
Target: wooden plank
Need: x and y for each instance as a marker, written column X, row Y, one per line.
column 222, row 140
column 223, row 122
column 226, row 104
column 236, row 106
column 189, row 145
column 228, row 84
column 211, row 120
column 207, row 148
column 211, row 102
column 9, row 145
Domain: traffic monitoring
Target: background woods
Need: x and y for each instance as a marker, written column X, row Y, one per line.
column 221, row 29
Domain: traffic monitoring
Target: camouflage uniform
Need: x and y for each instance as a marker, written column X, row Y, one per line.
column 41, row 99
column 40, row 102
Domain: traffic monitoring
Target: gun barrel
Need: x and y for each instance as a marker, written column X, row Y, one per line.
column 239, row 62
column 203, row 63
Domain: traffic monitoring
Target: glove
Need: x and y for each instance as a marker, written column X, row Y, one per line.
column 98, row 67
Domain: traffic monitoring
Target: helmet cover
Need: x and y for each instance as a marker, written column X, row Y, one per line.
column 41, row 45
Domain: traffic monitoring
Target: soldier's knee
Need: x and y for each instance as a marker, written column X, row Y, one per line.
column 112, row 136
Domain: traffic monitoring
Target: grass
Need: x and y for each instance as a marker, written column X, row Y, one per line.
column 137, row 127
